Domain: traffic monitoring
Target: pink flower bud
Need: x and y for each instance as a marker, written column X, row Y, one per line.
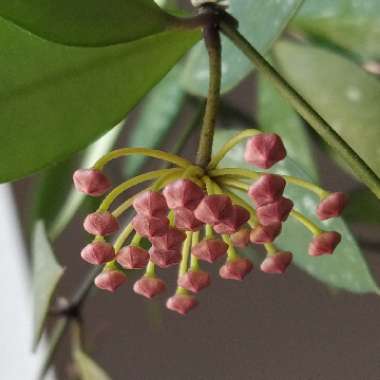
column 165, row 258
column 186, row 220
column 149, row 287
column 240, row 238
column 265, row 234
column 234, row 221
column 194, row 281
column 275, row 212
column 332, row 206
column 264, row 150
column 110, row 280
column 210, row 250
column 236, row 269
column 213, row 209
column 267, row 189
column 277, row 263
column 150, row 203
column 132, row 257
column 100, row 223
column 173, row 239
column 181, row 303
column 325, row 243
column 91, row 182
column 150, row 227
column 98, row 252
column 183, row 194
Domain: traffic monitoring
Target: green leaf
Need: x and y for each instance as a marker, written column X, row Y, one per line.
column 88, row 369
column 87, row 22
column 345, row 95
column 61, row 98
column 46, row 276
column 277, row 116
column 159, row 111
column 261, row 21
column 346, row 269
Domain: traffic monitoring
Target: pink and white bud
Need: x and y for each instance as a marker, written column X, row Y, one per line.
column 98, row 252
column 265, row 234
column 91, row 182
column 100, row 223
column 264, row 150
column 181, row 303
column 324, row 244
column 132, row 257
column 110, row 280
column 277, row 264
column 213, row 209
column 183, row 194
column 149, row 287
column 165, row 258
column 151, row 203
column 233, row 222
column 275, row 212
column 332, row 206
column 194, row 281
column 173, row 239
column 267, row 189
column 186, row 220
column 150, row 227
column 235, row 269
column 209, row 250
column 240, row 239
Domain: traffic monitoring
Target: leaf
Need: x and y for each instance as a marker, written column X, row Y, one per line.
column 87, row 22
column 277, row 116
column 159, row 111
column 88, row 369
column 254, row 19
column 345, row 95
column 48, row 114
column 346, row 269
column 46, row 276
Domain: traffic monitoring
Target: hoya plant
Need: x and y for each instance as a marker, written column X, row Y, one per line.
column 198, row 180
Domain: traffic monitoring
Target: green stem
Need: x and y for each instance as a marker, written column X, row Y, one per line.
column 320, row 125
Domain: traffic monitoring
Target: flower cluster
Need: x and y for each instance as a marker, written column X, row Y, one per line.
column 190, row 214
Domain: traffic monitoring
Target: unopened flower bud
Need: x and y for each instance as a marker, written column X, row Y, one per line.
column 173, row 239
column 240, row 239
column 210, row 250
column 275, row 212
column 110, row 280
column 186, row 220
column 91, row 182
column 183, row 193
column 165, row 258
column 150, row 227
column 132, row 257
column 332, row 206
column 149, row 287
column 265, row 234
column 194, row 281
column 234, row 221
column 150, row 203
column 277, row 264
column 98, row 252
column 264, row 150
column 213, row 209
column 324, row 244
column 181, row 303
column 235, row 269
column 100, row 223
column 267, row 189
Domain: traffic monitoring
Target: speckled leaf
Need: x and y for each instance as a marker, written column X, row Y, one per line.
column 346, row 269
column 261, row 21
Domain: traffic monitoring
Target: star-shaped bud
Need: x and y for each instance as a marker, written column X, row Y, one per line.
column 209, row 250
column 98, row 252
column 149, row 287
column 173, row 239
column 264, row 150
column 324, row 244
column 150, row 227
column 186, row 220
column 100, row 223
column 265, row 234
column 110, row 280
column 91, row 182
column 234, row 221
column 183, row 193
column 267, row 189
column 150, row 203
column 240, row 238
column 332, row 206
column 165, row 258
column 181, row 303
column 275, row 212
column 194, row 281
column 132, row 257
column 235, row 269
column 277, row 264
column 213, row 209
